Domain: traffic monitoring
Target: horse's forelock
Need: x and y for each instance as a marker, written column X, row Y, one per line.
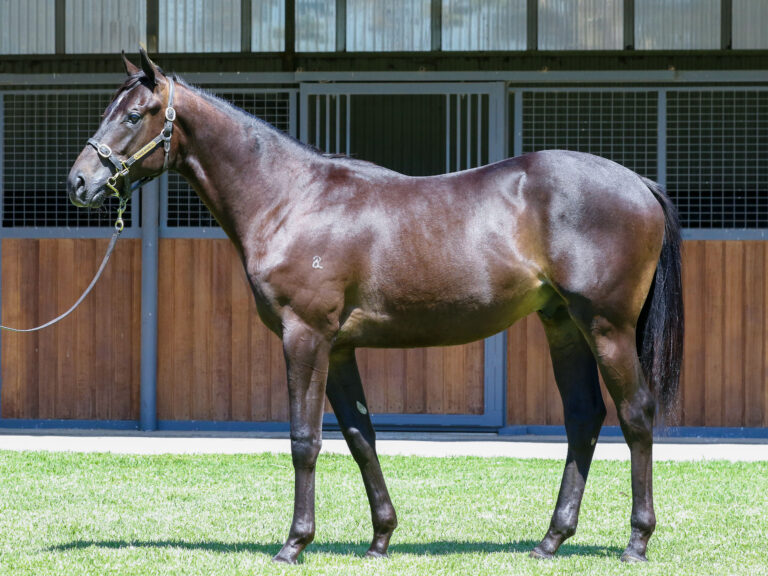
column 129, row 83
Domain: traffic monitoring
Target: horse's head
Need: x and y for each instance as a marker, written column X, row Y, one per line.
column 132, row 141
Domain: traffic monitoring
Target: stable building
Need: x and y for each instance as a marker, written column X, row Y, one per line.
column 676, row 90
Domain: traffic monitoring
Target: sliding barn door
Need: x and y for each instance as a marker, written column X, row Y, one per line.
column 420, row 130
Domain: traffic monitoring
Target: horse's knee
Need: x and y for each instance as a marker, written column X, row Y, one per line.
column 304, row 450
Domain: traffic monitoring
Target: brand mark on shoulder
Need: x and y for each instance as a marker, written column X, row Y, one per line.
column 316, row 263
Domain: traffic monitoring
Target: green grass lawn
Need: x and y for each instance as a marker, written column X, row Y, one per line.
column 98, row 514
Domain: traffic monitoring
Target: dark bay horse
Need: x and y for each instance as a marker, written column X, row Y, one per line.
column 341, row 254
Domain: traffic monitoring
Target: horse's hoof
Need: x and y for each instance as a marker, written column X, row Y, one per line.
column 376, row 554
column 539, row 554
column 283, row 559
column 633, row 557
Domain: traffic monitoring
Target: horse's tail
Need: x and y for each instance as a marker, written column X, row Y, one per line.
column 660, row 326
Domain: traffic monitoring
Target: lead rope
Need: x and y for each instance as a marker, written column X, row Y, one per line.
column 119, row 225
column 123, row 168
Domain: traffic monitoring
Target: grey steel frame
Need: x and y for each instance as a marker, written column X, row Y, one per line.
column 661, row 142
column 154, row 212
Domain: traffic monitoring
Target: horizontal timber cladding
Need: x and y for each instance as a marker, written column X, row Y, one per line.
column 216, row 361
column 724, row 380
column 87, row 366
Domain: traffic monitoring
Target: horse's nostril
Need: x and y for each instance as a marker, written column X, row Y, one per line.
column 79, row 182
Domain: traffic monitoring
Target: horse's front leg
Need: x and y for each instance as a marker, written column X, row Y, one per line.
column 306, row 356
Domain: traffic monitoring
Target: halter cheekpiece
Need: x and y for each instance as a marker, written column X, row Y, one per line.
column 123, row 167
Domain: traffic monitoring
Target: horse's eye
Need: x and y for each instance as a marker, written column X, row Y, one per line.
column 133, row 117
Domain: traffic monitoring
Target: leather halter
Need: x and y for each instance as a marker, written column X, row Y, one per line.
column 123, row 167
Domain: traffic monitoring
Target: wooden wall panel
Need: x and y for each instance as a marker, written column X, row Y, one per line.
column 216, row 361
column 87, row 366
column 724, row 380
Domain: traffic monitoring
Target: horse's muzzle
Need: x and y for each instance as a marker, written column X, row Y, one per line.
column 82, row 195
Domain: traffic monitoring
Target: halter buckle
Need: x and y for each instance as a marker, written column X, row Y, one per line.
column 170, row 114
column 104, row 151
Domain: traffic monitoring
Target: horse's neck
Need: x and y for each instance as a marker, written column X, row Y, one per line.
column 240, row 168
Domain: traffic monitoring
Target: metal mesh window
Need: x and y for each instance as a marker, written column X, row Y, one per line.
column 717, row 143
column 43, row 135
column 622, row 126
column 184, row 206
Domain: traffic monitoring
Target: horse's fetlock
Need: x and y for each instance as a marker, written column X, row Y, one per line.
column 303, row 534
column 563, row 525
column 386, row 520
column 644, row 522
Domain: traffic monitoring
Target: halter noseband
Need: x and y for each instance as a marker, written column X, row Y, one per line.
column 123, row 167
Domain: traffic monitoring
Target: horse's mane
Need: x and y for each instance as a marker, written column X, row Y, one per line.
column 227, row 106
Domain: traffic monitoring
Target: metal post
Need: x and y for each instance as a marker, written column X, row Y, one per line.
column 59, row 26
column 341, row 25
column 661, row 140
column 726, row 24
column 532, row 41
column 629, row 24
column 2, row 155
column 246, row 22
column 517, row 144
column 150, row 220
column 436, row 30
column 153, row 26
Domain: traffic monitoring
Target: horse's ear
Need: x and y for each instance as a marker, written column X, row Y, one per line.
column 149, row 67
column 130, row 67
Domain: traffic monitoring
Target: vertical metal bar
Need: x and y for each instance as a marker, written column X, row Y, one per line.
column 153, row 26
column 495, row 378
column 469, row 131
column 327, row 123
column 480, row 130
column 497, row 122
column 163, row 181
column 2, row 156
column 246, row 28
column 629, row 25
column 2, row 199
column 337, row 132
column 458, row 132
column 292, row 113
column 304, row 114
column 60, row 21
column 317, row 120
column 290, row 27
column 447, row 133
column 726, row 24
column 349, row 125
column 532, row 32
column 437, row 25
column 149, row 280
column 341, row 25
column 517, row 126
column 661, row 140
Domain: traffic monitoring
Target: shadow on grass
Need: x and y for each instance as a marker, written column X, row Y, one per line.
column 437, row 548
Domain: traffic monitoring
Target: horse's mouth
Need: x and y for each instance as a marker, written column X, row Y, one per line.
column 83, row 198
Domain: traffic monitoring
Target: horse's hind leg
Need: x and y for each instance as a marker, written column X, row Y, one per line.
column 584, row 411
column 616, row 352
column 345, row 391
